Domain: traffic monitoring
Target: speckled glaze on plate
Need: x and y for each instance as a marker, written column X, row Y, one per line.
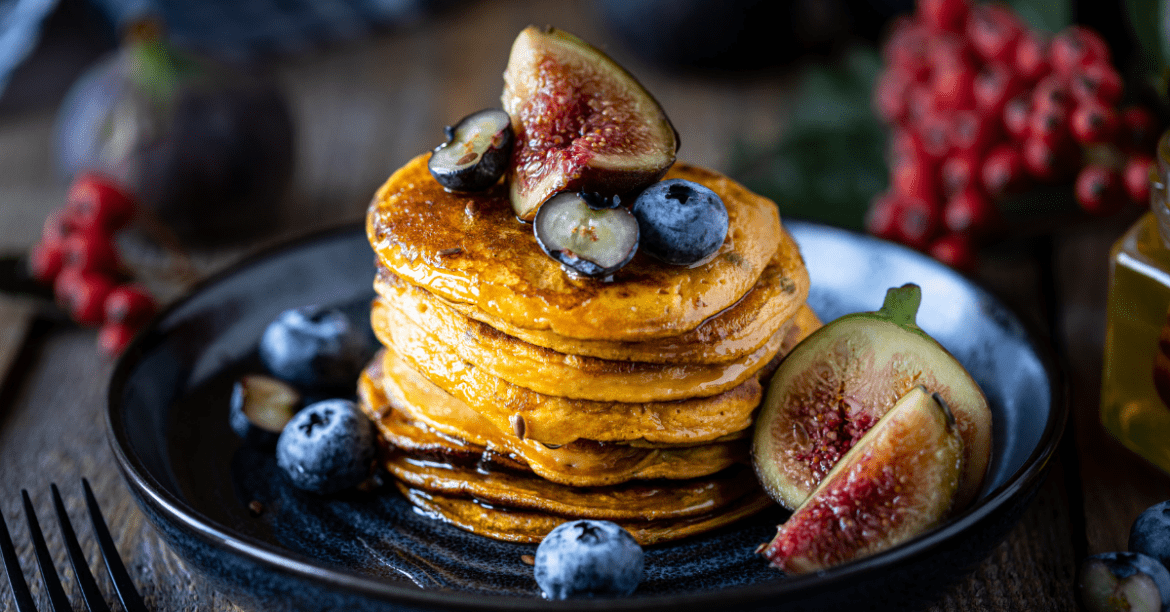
column 372, row 551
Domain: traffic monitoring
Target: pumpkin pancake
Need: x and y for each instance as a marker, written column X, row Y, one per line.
column 420, row 416
column 552, row 373
column 558, row 420
column 530, row 527
column 470, row 248
column 645, row 500
column 729, row 335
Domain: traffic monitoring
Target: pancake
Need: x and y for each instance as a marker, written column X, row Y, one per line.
column 558, row 420
column 549, row 372
column 529, row 527
column 470, row 248
column 653, row 500
column 415, row 415
column 727, row 336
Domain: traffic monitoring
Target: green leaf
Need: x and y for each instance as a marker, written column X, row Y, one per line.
column 1048, row 15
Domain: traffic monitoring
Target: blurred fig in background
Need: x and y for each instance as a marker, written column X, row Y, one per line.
column 209, row 148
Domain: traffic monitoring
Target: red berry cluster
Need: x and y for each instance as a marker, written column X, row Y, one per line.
column 77, row 255
column 982, row 107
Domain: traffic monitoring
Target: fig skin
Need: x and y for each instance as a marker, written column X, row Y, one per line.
column 897, row 482
column 582, row 122
column 841, row 379
column 209, row 148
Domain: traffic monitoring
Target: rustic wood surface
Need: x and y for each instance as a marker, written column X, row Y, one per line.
column 362, row 109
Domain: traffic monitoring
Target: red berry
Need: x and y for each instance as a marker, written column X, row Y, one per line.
column 91, row 250
column 45, row 261
column 1098, row 190
column 1097, row 82
column 881, row 219
column 1003, row 171
column 1139, row 130
column 916, row 180
column 954, row 250
column 973, row 131
column 114, row 337
column 919, row 102
column 1051, row 92
column 934, row 132
column 950, row 51
column 57, row 226
column 1076, row 47
column 904, row 146
column 970, row 211
column 993, row 30
column 906, row 47
column 95, row 202
column 83, row 294
column 994, row 86
column 129, row 304
column 1137, row 178
column 889, row 96
column 959, row 172
column 1049, row 124
column 918, row 221
column 1032, row 56
column 946, row 15
column 1093, row 122
column 1015, row 116
column 1043, row 160
column 954, row 88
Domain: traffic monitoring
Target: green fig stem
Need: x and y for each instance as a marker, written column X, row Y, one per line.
column 901, row 305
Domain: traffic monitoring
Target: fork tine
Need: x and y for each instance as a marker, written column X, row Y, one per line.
column 44, row 559
column 20, row 592
column 131, row 601
column 89, row 588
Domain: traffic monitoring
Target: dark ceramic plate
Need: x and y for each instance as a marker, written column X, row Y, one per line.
column 168, row 425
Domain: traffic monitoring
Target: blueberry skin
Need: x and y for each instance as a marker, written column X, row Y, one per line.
column 1124, row 566
column 326, row 447
column 315, row 348
column 1150, row 534
column 588, row 559
column 681, row 222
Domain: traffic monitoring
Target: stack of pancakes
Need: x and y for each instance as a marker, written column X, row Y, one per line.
column 513, row 395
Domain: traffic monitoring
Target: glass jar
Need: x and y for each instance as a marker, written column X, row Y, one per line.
column 1135, row 385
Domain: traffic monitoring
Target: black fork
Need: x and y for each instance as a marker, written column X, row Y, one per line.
column 131, row 601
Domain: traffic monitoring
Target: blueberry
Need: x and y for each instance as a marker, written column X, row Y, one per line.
column 315, row 348
column 476, row 153
column 588, row 559
column 326, row 447
column 682, row 222
column 586, row 232
column 1150, row 534
column 1124, row 581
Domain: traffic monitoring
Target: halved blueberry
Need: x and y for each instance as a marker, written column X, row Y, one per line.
column 1109, row 579
column 682, row 222
column 260, row 408
column 476, row 153
column 315, row 348
column 583, row 237
column 327, row 447
column 588, row 558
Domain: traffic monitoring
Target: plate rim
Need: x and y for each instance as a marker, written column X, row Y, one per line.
column 148, row 489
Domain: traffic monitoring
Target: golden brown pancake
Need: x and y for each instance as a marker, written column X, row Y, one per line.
column 470, row 248
column 530, row 527
column 552, row 373
column 405, row 405
column 727, row 336
column 645, row 500
column 559, row 420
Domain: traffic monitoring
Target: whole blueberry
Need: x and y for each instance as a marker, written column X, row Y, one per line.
column 588, row 559
column 681, row 222
column 315, row 348
column 1139, row 581
column 1150, row 534
column 326, row 447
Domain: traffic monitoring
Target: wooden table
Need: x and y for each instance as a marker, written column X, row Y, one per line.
column 364, row 108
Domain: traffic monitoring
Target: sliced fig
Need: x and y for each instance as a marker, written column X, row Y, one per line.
column 898, row 481
column 476, row 153
column 586, row 233
column 582, row 122
column 844, row 377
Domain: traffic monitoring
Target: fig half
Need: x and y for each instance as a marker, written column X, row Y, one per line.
column 582, row 123
column 898, row 481
column 840, row 380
